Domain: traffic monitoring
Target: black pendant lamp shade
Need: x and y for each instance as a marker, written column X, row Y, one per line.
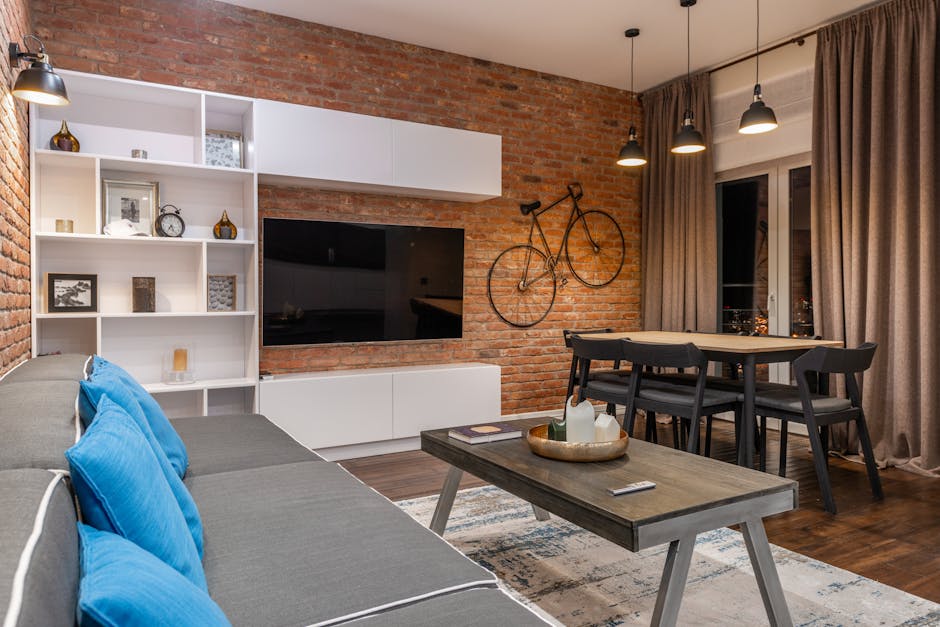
column 631, row 155
column 688, row 140
column 759, row 118
column 38, row 83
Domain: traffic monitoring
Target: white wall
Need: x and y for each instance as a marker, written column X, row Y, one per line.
column 786, row 77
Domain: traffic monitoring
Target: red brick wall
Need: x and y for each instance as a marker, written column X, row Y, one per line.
column 555, row 130
column 14, row 198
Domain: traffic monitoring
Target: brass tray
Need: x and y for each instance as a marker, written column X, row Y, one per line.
column 575, row 451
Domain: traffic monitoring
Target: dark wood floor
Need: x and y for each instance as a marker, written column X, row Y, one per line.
column 895, row 541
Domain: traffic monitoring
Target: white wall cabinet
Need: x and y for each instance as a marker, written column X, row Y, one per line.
column 111, row 117
column 329, row 149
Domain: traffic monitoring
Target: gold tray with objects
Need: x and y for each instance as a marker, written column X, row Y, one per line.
column 575, row 451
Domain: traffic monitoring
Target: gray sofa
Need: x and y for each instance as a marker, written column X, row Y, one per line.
column 290, row 539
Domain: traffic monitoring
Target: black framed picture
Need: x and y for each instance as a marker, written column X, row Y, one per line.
column 72, row 293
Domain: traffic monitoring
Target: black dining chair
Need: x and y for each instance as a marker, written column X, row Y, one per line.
column 675, row 399
column 573, row 374
column 818, row 411
column 611, row 390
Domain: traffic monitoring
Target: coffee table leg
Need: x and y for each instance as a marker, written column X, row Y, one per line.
column 672, row 585
column 540, row 514
column 758, row 548
column 446, row 500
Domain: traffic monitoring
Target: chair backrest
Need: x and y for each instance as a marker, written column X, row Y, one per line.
column 569, row 332
column 599, row 349
column 831, row 360
column 663, row 355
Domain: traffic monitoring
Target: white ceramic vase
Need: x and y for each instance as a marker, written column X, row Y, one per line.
column 580, row 419
column 606, row 428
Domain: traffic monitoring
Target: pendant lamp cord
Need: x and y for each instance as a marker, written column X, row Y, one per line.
column 632, row 92
column 757, row 48
column 688, row 55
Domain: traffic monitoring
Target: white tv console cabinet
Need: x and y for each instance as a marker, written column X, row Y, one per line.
column 352, row 413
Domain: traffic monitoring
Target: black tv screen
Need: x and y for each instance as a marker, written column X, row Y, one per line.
column 326, row 282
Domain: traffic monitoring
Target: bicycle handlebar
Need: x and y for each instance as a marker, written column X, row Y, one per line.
column 575, row 192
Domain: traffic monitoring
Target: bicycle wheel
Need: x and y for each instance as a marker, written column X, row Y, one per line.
column 594, row 248
column 521, row 286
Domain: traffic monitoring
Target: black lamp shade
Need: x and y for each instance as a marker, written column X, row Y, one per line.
column 759, row 118
column 631, row 154
column 688, row 140
column 40, row 84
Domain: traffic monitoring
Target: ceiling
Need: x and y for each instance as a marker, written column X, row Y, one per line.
column 584, row 41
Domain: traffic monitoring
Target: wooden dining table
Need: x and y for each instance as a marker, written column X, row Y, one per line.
column 748, row 350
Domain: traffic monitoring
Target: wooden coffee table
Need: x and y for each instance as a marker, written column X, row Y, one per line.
column 693, row 494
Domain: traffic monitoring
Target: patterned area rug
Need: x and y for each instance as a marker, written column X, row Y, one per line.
column 581, row 579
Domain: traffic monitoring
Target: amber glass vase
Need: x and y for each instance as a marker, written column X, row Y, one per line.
column 64, row 140
column 224, row 229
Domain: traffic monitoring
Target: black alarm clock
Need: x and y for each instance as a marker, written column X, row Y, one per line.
column 169, row 223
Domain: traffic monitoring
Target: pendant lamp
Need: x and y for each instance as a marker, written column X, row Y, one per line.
column 759, row 118
column 631, row 155
column 688, row 140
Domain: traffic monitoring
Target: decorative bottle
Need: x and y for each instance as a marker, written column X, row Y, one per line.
column 64, row 140
column 224, row 229
column 557, row 430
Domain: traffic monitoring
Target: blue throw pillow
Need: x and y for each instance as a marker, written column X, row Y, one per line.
column 121, row 488
column 121, row 584
column 119, row 396
column 110, row 376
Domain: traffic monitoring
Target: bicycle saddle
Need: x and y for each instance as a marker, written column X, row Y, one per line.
column 527, row 208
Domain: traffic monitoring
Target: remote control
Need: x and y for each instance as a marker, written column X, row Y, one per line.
column 633, row 487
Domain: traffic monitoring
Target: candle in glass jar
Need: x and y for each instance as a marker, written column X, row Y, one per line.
column 179, row 359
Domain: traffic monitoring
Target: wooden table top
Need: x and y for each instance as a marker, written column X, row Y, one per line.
column 685, row 483
column 723, row 342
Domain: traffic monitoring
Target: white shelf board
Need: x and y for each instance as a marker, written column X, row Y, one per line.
column 145, row 166
column 66, row 316
column 48, row 236
column 203, row 384
column 179, row 314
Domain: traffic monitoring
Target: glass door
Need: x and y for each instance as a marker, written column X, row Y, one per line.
column 765, row 277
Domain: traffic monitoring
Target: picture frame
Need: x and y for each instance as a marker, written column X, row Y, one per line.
column 222, row 292
column 71, row 293
column 224, row 149
column 135, row 201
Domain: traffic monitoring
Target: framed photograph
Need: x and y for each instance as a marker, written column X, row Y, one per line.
column 222, row 292
column 224, row 148
column 71, row 293
column 133, row 201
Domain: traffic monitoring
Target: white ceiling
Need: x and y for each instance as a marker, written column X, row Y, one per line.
column 582, row 40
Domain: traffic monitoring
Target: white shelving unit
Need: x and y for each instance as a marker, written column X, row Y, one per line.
column 111, row 117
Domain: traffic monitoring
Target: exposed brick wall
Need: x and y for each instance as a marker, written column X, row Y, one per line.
column 14, row 198
column 554, row 130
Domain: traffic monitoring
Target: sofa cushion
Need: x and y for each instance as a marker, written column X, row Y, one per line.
column 236, row 442
column 307, row 542
column 38, row 422
column 69, row 367
column 38, row 549
column 121, row 488
column 122, row 584
column 95, row 392
column 110, row 379
column 468, row 608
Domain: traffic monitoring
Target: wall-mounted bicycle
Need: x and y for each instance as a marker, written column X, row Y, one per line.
column 522, row 281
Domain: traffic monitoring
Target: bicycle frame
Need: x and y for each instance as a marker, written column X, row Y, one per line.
column 574, row 193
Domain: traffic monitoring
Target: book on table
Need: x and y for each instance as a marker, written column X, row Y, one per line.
column 489, row 432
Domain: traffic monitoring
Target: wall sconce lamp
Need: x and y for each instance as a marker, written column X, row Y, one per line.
column 38, row 83
column 688, row 140
column 759, row 118
column 631, row 155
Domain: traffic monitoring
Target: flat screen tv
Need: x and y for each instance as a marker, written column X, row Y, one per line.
column 327, row 282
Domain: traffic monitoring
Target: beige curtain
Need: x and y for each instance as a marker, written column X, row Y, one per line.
column 679, row 232
column 876, row 220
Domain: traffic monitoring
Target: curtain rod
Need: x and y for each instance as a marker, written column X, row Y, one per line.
column 799, row 40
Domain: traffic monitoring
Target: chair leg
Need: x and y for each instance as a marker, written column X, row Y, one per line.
column 762, row 443
column 651, row 427
column 693, row 434
column 611, row 409
column 783, row 448
column 824, row 438
column 676, row 442
column 708, row 435
column 819, row 460
column 873, row 478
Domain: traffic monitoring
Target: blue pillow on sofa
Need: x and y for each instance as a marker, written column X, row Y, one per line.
column 121, row 488
column 121, row 584
column 92, row 394
column 109, row 377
